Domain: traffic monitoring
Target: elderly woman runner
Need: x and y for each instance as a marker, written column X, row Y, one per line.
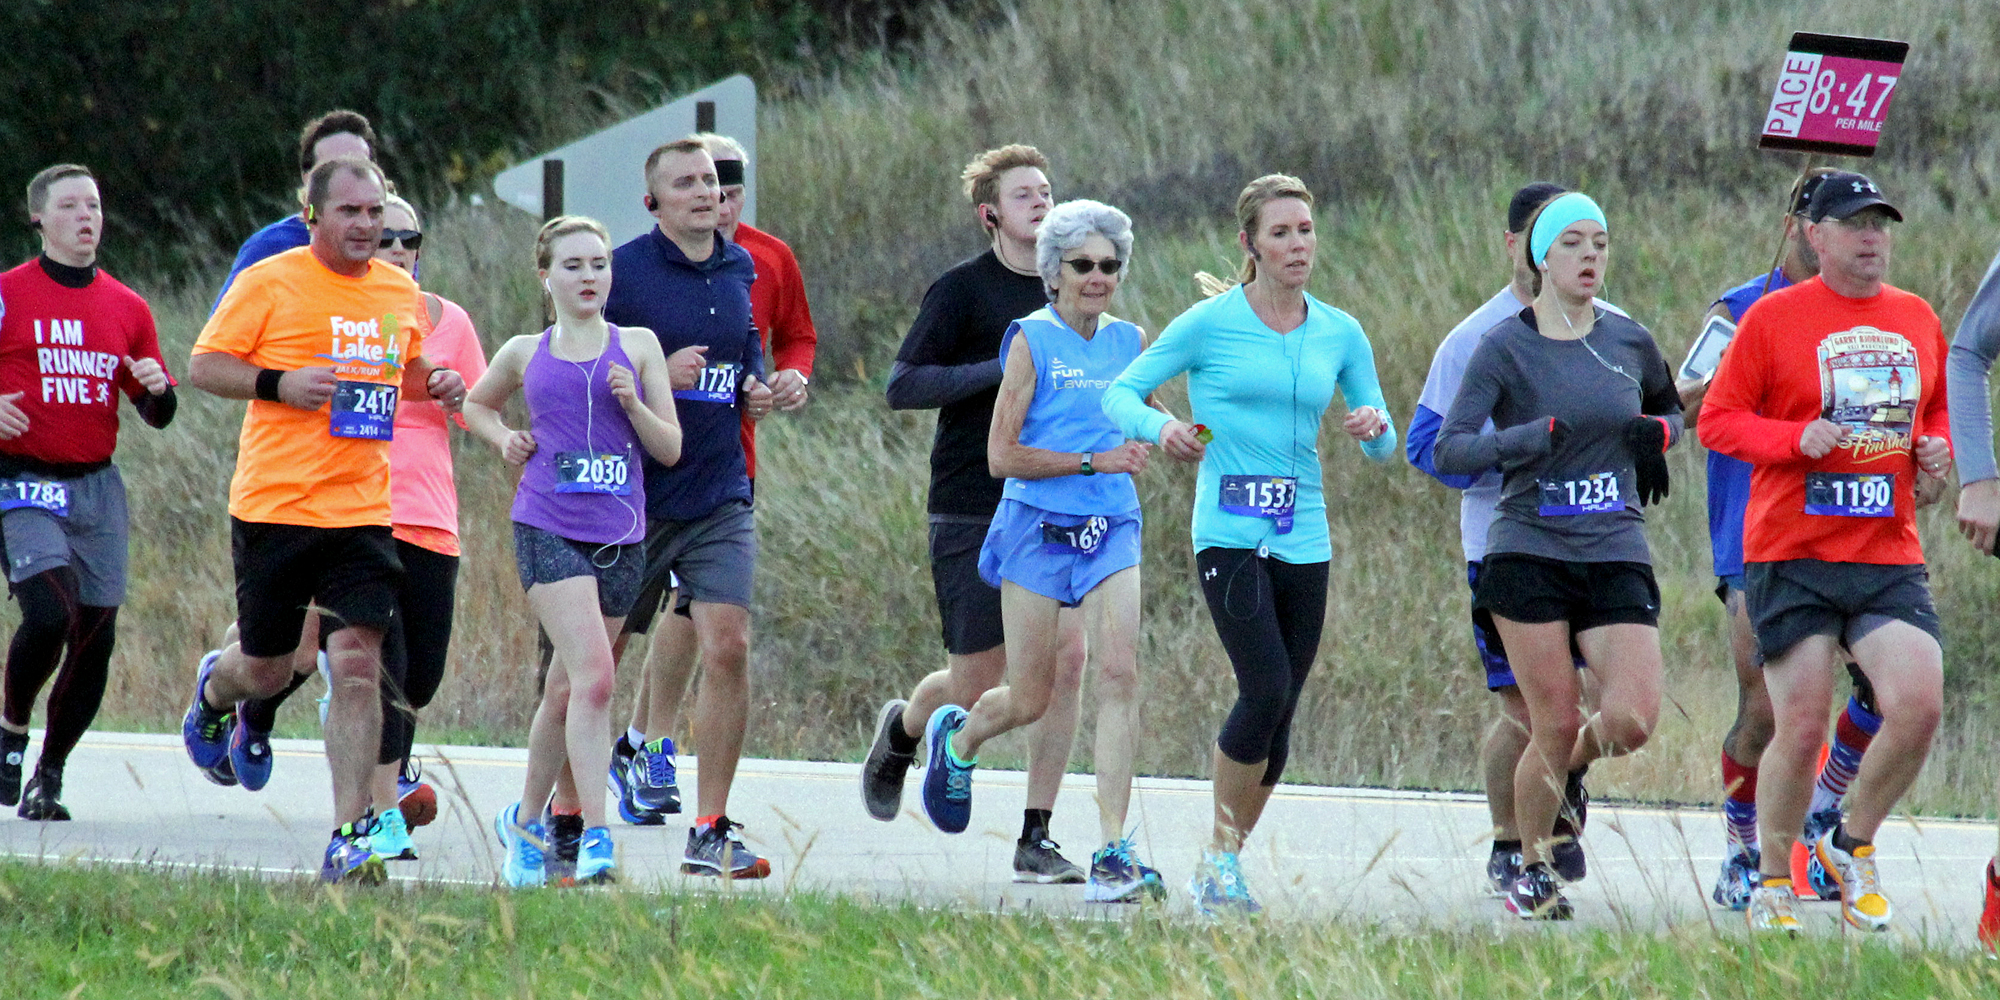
column 1066, row 535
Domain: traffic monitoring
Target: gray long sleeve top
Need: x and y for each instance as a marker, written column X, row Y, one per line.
column 1966, row 369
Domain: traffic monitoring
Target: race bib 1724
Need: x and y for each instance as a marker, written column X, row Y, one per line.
column 714, row 384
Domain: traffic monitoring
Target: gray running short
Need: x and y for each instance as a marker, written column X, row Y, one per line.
column 543, row 556
column 1794, row 598
column 93, row 539
column 713, row 560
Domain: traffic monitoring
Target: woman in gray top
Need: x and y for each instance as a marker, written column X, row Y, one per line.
column 1583, row 409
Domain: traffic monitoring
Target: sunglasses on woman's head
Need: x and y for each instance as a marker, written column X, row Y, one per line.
column 1085, row 265
column 410, row 237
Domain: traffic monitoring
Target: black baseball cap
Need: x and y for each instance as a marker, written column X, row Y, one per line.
column 1526, row 200
column 1804, row 201
column 1841, row 194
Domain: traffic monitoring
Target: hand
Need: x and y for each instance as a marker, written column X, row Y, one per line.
column 1180, row 443
column 149, row 373
column 519, row 448
column 1365, row 423
column 1820, row 438
column 756, row 398
column 1646, row 439
column 1692, row 391
column 1979, row 512
column 624, row 386
column 788, row 389
column 1934, row 456
column 447, row 387
column 13, row 422
column 684, row 366
column 307, row 388
column 1558, row 433
column 1129, row 458
column 1930, row 490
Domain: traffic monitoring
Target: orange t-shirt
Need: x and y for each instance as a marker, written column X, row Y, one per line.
column 1874, row 366
column 325, row 468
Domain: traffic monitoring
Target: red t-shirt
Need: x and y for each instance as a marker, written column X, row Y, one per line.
column 63, row 349
column 778, row 307
column 1874, row 366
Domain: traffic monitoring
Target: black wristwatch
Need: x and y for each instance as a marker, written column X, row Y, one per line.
column 1084, row 468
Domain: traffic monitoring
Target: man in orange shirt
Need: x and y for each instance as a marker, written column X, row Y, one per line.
column 322, row 340
column 1834, row 391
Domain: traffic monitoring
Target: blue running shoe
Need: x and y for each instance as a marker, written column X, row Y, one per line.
column 391, row 837
column 653, row 776
column 205, row 730
column 249, row 753
column 1823, row 884
column 1738, row 880
column 594, row 862
column 947, row 781
column 350, row 858
column 1218, row 887
column 1118, row 876
column 523, row 867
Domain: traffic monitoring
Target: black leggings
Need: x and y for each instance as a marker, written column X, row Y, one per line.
column 57, row 628
column 1268, row 614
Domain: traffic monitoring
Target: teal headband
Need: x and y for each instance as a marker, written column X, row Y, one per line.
column 1565, row 211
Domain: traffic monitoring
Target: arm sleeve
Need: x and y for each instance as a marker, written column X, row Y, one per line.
column 794, row 339
column 1730, row 422
column 1173, row 353
column 1464, row 447
column 1660, row 398
column 1359, row 386
column 753, row 355
column 144, row 343
column 1967, row 373
column 158, row 411
column 1421, row 447
column 927, row 387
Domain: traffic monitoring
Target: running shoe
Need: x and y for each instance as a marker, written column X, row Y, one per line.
column 249, row 753
column 1537, row 895
column 1773, row 907
column 627, row 778
column 653, row 771
column 390, row 837
column 948, row 782
column 13, row 754
column 205, row 730
column 325, row 701
column 1804, row 859
column 414, row 796
column 1503, row 867
column 1862, row 903
column 1566, row 853
column 594, row 863
column 1989, row 917
column 523, row 867
column 41, row 802
column 718, row 851
column 350, row 858
column 1738, row 879
column 1218, row 887
column 621, row 755
column 1038, row 861
column 883, row 773
column 565, row 836
column 1118, row 876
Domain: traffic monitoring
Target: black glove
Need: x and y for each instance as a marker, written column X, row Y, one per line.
column 1558, row 433
column 1646, row 439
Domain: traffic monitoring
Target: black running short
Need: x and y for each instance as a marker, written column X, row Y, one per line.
column 351, row 575
column 1532, row 589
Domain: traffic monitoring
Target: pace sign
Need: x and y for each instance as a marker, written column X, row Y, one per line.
column 1833, row 94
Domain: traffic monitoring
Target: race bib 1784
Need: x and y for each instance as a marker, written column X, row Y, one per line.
column 42, row 494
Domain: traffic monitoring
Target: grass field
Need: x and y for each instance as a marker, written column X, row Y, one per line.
column 1414, row 121
column 81, row 933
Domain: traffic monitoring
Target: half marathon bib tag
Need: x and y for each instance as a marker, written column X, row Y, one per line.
column 593, row 472
column 714, row 384
column 1851, row 494
column 1269, row 497
column 41, row 494
column 1075, row 538
column 363, row 410
column 1596, row 493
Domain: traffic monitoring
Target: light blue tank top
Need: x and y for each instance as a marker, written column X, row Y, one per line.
column 1067, row 413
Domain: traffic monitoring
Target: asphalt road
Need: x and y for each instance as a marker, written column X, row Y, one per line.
column 1352, row 855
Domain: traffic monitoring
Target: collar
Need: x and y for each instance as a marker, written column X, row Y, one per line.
column 65, row 275
column 723, row 254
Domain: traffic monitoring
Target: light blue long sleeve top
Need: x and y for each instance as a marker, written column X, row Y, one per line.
column 1263, row 394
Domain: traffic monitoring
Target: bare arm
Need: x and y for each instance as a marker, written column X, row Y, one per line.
column 655, row 420
column 482, row 404
column 1007, row 457
column 221, row 374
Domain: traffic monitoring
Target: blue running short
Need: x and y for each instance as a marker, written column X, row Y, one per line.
column 1039, row 550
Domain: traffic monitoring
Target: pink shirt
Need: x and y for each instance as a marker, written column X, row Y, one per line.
column 422, row 495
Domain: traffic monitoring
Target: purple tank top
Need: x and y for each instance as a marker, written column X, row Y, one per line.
column 584, row 482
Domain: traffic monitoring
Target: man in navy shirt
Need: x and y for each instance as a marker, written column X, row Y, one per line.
column 336, row 133
column 691, row 287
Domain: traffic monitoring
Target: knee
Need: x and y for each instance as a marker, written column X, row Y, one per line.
column 1627, row 732
column 1913, row 711
column 592, row 687
column 726, row 650
column 1118, row 680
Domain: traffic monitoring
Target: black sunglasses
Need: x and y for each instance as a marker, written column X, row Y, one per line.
column 410, row 237
column 1085, row 266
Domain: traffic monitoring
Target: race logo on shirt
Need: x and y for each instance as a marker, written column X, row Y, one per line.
column 369, row 347
column 1062, row 376
column 70, row 373
column 1869, row 384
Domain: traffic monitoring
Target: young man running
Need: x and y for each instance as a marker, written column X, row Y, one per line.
column 950, row 362
column 642, row 760
column 335, row 134
column 309, row 502
column 691, row 287
column 73, row 339
column 1832, row 391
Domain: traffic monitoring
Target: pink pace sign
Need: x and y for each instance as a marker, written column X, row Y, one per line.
column 1833, row 94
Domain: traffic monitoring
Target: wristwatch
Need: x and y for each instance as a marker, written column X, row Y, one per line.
column 1084, row 468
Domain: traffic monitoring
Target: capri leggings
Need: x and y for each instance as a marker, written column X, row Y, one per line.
column 414, row 650
column 1269, row 614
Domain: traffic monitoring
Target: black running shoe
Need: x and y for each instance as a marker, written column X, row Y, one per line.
column 1039, row 861
column 1536, row 896
column 565, row 834
column 1566, row 854
column 13, row 754
column 1503, row 868
column 882, row 775
column 41, row 800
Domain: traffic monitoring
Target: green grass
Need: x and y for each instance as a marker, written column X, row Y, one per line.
column 82, row 932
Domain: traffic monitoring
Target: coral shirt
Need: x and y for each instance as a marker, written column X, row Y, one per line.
column 1874, row 366
column 423, row 496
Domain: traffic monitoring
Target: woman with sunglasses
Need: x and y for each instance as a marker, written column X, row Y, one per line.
column 1582, row 409
column 1263, row 360
column 1066, row 535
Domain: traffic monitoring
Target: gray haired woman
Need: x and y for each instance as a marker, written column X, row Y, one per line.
column 1066, row 535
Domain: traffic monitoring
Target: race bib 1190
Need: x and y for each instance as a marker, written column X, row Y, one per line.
column 1851, row 494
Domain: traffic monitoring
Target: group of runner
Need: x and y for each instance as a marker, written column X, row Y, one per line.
column 1551, row 409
